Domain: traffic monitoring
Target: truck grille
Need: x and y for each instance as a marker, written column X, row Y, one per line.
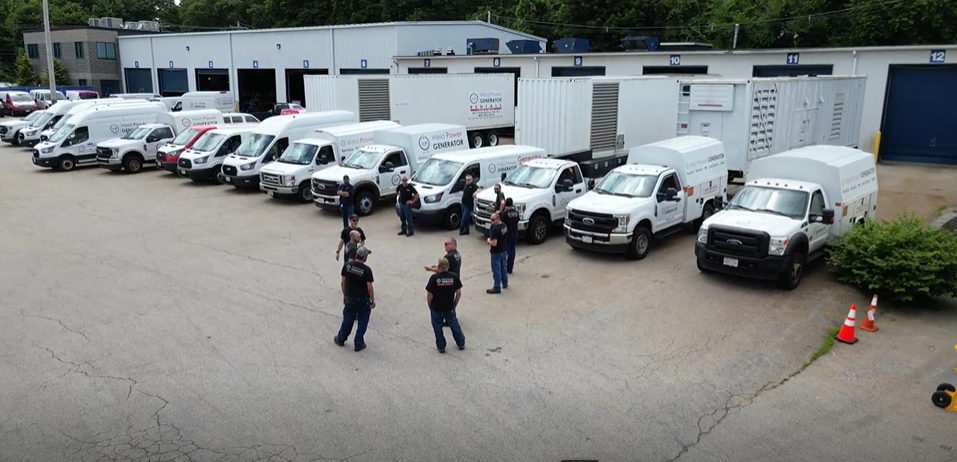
column 103, row 153
column 594, row 222
column 738, row 242
column 482, row 209
column 270, row 179
column 229, row 170
column 324, row 188
column 185, row 163
column 3, row 130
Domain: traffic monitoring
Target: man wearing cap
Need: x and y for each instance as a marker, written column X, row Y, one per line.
column 346, row 205
column 358, row 299
column 443, row 293
column 344, row 238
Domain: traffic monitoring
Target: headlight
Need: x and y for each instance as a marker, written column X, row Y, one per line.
column 777, row 245
column 520, row 208
column 247, row 167
column 288, row 180
column 434, row 198
column 201, row 160
column 703, row 235
column 116, row 152
column 46, row 150
column 623, row 221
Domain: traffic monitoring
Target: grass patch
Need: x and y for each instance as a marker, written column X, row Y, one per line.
column 940, row 210
column 822, row 350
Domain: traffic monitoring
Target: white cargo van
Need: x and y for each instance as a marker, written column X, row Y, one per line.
column 81, row 106
column 10, row 130
column 291, row 174
column 30, row 135
column 139, row 147
column 270, row 138
column 75, row 143
column 221, row 100
column 793, row 204
column 664, row 187
column 441, row 179
column 375, row 169
column 204, row 160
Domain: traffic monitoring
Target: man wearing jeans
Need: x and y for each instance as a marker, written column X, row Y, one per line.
column 468, row 204
column 444, row 291
column 510, row 217
column 496, row 242
column 358, row 298
column 407, row 196
column 346, row 204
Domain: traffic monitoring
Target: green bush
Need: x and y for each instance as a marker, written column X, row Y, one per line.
column 899, row 259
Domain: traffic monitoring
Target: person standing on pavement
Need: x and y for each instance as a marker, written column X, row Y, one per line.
column 496, row 241
column 346, row 204
column 443, row 293
column 499, row 203
column 407, row 196
column 454, row 258
column 355, row 242
column 468, row 204
column 358, row 299
column 344, row 235
column 510, row 217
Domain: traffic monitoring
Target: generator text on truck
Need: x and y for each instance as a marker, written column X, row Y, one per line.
column 793, row 205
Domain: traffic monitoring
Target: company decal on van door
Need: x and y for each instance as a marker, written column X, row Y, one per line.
column 126, row 127
column 859, row 180
column 485, row 105
column 703, row 165
column 441, row 141
column 509, row 165
column 206, row 120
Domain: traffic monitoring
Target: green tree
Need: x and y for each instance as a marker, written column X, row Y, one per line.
column 23, row 70
column 60, row 73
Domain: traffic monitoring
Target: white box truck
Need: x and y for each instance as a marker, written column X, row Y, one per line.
column 375, row 169
column 760, row 117
column 268, row 141
column 665, row 187
column 587, row 125
column 483, row 103
column 291, row 174
column 139, row 147
column 793, row 204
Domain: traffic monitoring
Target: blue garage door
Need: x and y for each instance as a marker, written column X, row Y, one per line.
column 172, row 82
column 919, row 116
column 139, row 81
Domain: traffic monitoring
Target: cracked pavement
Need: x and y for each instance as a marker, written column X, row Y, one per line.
column 149, row 318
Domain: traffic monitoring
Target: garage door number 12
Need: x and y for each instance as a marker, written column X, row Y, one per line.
column 938, row 56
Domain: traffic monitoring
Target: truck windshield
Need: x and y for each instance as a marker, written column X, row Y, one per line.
column 255, row 145
column 60, row 122
column 776, row 201
column 32, row 117
column 21, row 98
column 138, row 133
column 208, row 142
column 437, row 172
column 184, row 136
column 627, row 185
column 362, row 159
column 531, row 177
column 299, row 154
column 42, row 119
column 62, row 133
column 88, row 95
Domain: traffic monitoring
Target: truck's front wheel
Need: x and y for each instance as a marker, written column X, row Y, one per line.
column 453, row 217
column 305, row 194
column 133, row 163
column 640, row 244
column 66, row 163
column 365, row 203
column 791, row 277
column 537, row 229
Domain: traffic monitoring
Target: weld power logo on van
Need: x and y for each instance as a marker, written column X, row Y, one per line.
column 485, row 105
column 508, row 166
column 186, row 122
column 362, row 141
column 114, row 128
column 702, row 165
column 206, row 120
column 446, row 140
column 859, row 180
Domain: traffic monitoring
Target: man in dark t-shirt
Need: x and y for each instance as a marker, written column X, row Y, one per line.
column 407, row 196
column 468, row 204
column 346, row 203
column 344, row 235
column 358, row 298
column 511, row 216
column 444, row 292
column 496, row 241
column 454, row 258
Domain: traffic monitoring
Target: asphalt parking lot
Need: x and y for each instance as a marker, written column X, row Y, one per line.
column 147, row 317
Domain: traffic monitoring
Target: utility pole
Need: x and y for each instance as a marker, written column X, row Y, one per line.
column 49, row 47
column 488, row 16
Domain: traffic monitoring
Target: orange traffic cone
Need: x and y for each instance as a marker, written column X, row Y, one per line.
column 846, row 334
column 868, row 323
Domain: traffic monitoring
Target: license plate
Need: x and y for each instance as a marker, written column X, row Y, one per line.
column 228, row 179
column 586, row 239
column 182, row 172
column 732, row 262
column 271, row 193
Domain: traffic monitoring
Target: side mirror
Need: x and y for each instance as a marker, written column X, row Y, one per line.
column 387, row 167
column 591, row 183
column 503, row 176
column 827, row 217
column 567, row 185
column 718, row 203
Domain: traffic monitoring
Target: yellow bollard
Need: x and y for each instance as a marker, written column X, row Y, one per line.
column 877, row 146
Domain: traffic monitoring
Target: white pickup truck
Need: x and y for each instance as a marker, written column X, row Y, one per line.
column 793, row 204
column 139, row 147
column 665, row 187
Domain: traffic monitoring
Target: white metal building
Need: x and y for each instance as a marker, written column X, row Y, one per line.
column 171, row 64
column 910, row 98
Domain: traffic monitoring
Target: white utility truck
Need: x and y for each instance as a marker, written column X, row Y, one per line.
column 220, row 100
column 375, row 169
column 75, row 143
column 138, row 147
column 269, row 140
column 665, row 187
column 80, row 106
column 291, row 174
column 760, row 117
column 204, row 160
column 441, row 179
column 587, row 125
column 793, row 204
column 483, row 103
column 9, row 131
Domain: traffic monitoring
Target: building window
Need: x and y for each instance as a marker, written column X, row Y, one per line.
column 82, row 83
column 33, row 51
column 105, row 50
column 78, row 48
column 56, row 51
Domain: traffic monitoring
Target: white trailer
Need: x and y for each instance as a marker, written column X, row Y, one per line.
column 759, row 117
column 482, row 103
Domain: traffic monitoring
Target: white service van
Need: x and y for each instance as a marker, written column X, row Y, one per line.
column 291, row 174
column 793, row 204
column 441, row 179
column 221, row 100
column 81, row 106
column 9, row 131
column 204, row 160
column 270, row 139
column 139, row 147
column 375, row 169
column 31, row 134
column 75, row 143
column 664, row 187
column 44, row 99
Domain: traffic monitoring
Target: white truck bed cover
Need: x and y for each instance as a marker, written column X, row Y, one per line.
column 844, row 173
column 697, row 159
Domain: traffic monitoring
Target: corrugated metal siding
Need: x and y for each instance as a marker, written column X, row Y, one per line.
column 132, row 50
column 604, row 115
column 412, row 39
column 554, row 114
column 376, row 45
column 295, row 46
column 374, row 99
column 330, row 92
column 202, row 50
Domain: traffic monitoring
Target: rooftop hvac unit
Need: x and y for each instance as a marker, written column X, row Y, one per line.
column 482, row 46
column 524, row 47
column 640, row 43
column 148, row 26
column 93, row 22
column 572, row 45
column 112, row 23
